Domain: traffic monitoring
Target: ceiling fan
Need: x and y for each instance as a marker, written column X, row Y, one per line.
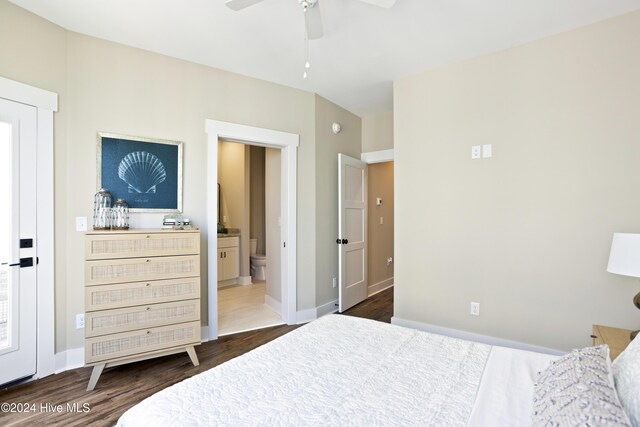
column 313, row 20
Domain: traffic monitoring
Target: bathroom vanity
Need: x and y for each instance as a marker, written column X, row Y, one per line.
column 228, row 260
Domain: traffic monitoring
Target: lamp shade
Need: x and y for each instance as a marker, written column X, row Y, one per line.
column 624, row 258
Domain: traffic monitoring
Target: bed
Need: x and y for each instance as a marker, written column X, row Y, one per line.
column 342, row 370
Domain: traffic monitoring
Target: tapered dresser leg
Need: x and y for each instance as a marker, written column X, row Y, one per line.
column 192, row 354
column 95, row 375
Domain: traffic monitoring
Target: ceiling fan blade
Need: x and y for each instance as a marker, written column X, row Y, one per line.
column 240, row 4
column 313, row 21
column 381, row 3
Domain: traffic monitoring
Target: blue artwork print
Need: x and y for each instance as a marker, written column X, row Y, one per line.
column 144, row 174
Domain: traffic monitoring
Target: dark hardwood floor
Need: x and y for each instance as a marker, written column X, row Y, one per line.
column 121, row 387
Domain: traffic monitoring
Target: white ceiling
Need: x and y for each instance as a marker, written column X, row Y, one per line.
column 364, row 48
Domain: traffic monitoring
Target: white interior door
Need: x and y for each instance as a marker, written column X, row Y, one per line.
column 18, row 128
column 352, row 231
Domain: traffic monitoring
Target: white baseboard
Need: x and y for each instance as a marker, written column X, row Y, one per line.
column 225, row 283
column 272, row 303
column 471, row 336
column 69, row 359
column 330, row 307
column 306, row 316
column 379, row 287
column 244, row 280
column 204, row 333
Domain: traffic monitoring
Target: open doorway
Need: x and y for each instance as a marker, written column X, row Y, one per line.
column 286, row 143
column 248, row 237
column 365, row 227
column 380, row 230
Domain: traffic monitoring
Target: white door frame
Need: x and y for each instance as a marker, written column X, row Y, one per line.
column 377, row 156
column 288, row 144
column 46, row 104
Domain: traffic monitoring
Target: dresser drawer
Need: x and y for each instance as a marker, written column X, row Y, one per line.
column 141, row 269
column 146, row 340
column 110, row 246
column 145, row 316
column 103, row 297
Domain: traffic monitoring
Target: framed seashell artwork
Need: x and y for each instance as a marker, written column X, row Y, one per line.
column 145, row 172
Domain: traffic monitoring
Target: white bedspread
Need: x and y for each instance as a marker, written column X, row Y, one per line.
column 505, row 397
column 337, row 370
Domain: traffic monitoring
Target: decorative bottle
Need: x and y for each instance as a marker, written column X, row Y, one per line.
column 102, row 210
column 120, row 217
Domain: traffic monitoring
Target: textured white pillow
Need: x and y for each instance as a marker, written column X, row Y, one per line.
column 626, row 374
column 576, row 390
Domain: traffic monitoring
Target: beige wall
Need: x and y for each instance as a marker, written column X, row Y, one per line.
column 328, row 145
column 377, row 132
column 234, row 168
column 272, row 222
column 526, row 233
column 257, row 191
column 379, row 236
column 107, row 87
column 231, row 180
column 34, row 52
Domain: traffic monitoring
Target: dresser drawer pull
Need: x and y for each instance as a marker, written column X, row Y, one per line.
column 148, row 308
column 148, row 260
column 594, row 337
column 148, row 284
column 148, row 332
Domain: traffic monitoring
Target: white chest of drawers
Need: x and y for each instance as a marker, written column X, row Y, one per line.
column 142, row 296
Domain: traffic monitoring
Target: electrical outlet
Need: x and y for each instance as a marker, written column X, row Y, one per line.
column 389, row 261
column 80, row 321
column 475, row 309
column 475, row 152
column 335, row 282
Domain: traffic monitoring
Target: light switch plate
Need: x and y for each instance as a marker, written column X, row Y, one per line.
column 81, row 223
column 475, row 152
column 487, row 151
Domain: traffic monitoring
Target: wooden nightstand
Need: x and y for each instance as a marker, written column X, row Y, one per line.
column 617, row 339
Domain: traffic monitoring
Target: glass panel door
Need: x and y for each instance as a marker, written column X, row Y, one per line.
column 6, row 237
column 18, row 134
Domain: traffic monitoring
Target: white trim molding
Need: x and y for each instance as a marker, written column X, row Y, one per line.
column 272, row 303
column 328, row 308
column 471, row 336
column 288, row 145
column 377, row 156
column 30, row 95
column 69, row 359
column 204, row 334
column 46, row 104
column 244, row 280
column 306, row 316
column 379, row 287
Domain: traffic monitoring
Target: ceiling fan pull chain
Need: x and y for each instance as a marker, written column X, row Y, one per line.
column 306, row 49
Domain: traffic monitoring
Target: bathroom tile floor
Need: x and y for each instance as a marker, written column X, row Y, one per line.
column 241, row 308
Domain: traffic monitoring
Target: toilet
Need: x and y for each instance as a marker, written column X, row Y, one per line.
column 258, row 262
